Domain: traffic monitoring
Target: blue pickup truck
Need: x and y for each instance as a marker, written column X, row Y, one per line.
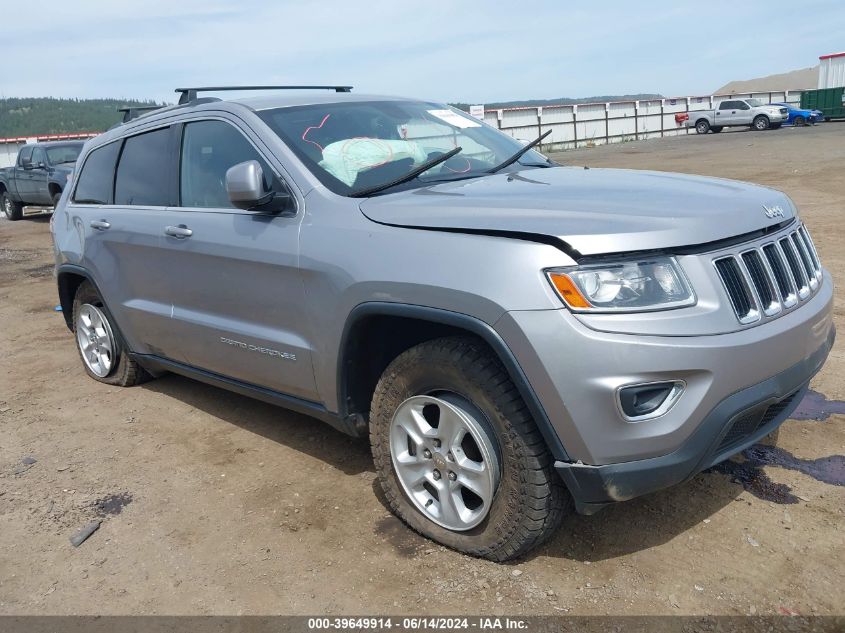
column 38, row 176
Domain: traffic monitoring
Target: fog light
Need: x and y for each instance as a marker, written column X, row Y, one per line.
column 648, row 400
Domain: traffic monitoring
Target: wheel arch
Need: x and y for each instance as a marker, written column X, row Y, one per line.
column 54, row 188
column 377, row 332
column 68, row 279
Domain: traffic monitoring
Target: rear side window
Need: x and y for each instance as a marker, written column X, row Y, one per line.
column 209, row 149
column 96, row 180
column 143, row 174
column 727, row 105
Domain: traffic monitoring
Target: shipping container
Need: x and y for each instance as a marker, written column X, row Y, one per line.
column 832, row 70
column 831, row 101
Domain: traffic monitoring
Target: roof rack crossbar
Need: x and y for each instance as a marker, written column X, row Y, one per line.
column 133, row 112
column 190, row 94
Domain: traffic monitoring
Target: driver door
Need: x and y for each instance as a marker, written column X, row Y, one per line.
column 743, row 113
column 238, row 302
column 726, row 113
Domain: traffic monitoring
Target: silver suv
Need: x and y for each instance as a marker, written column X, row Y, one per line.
column 517, row 338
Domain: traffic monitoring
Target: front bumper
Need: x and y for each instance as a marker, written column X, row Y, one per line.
column 575, row 371
column 736, row 423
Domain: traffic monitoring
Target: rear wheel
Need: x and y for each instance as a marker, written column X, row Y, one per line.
column 702, row 126
column 458, row 456
column 11, row 209
column 760, row 123
column 103, row 353
column 716, row 129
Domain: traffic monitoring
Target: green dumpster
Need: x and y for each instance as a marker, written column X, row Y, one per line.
column 831, row 101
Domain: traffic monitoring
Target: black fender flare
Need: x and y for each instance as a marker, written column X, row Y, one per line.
column 471, row 324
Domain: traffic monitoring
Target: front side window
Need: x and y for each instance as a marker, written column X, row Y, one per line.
column 96, row 180
column 209, row 149
column 37, row 156
column 143, row 171
column 357, row 145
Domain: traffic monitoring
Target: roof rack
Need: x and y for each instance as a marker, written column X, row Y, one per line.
column 133, row 112
column 190, row 94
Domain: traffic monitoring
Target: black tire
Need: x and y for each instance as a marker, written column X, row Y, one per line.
column 716, row 129
column 702, row 126
column 11, row 209
column 800, row 121
column 760, row 123
column 530, row 501
column 56, row 197
column 125, row 372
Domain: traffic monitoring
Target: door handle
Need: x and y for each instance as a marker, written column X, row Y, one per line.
column 100, row 225
column 179, row 232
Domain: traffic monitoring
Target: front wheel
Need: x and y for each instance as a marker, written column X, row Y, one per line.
column 760, row 123
column 800, row 121
column 458, row 455
column 702, row 126
column 11, row 209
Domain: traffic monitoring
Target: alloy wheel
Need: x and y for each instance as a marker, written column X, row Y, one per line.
column 95, row 339
column 445, row 459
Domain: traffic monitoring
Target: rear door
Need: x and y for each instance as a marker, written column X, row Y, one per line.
column 118, row 206
column 238, row 299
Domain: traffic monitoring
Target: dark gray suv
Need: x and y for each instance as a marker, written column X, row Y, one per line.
column 517, row 338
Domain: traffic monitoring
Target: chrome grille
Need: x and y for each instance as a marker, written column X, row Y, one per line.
column 771, row 277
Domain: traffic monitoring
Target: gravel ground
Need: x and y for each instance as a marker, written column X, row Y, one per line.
column 211, row 503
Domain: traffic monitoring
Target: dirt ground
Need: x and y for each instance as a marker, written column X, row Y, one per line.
column 212, row 503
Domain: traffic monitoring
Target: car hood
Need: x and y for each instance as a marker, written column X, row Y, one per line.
column 594, row 211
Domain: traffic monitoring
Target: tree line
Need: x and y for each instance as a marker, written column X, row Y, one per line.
column 48, row 115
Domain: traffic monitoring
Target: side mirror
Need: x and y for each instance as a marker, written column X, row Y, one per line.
column 245, row 186
column 26, row 164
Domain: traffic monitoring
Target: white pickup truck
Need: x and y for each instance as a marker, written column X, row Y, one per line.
column 739, row 112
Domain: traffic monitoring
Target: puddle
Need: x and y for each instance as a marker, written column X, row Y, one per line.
column 749, row 474
column 112, row 505
column 754, row 480
column 816, row 406
column 830, row 470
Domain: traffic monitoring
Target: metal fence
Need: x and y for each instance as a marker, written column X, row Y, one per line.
column 589, row 124
column 580, row 125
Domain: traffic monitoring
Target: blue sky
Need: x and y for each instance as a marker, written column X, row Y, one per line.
column 475, row 52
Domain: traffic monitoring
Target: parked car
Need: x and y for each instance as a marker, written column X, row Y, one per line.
column 38, row 176
column 800, row 116
column 738, row 113
column 516, row 338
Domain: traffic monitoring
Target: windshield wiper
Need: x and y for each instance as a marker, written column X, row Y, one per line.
column 519, row 154
column 416, row 171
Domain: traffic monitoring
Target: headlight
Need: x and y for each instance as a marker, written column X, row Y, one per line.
column 651, row 284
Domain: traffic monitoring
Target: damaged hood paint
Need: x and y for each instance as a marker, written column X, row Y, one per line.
column 595, row 211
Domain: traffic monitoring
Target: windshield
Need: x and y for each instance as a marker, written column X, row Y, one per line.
column 354, row 146
column 754, row 103
column 59, row 154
